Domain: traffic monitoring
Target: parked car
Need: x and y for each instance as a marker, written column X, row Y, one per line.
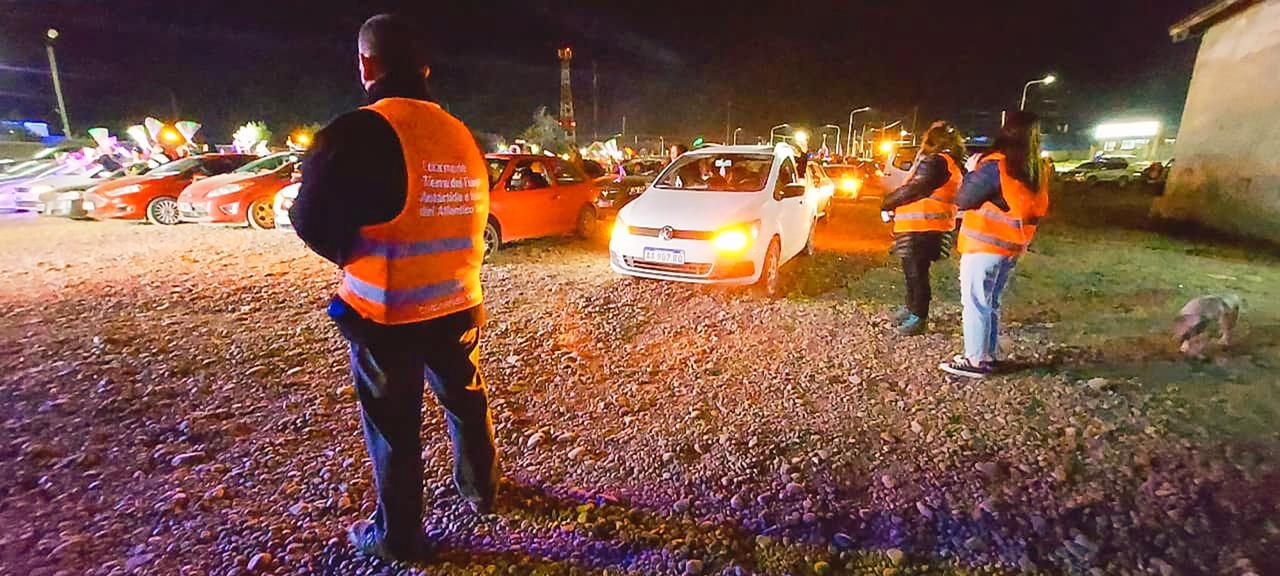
column 282, row 204
column 849, row 180
column 243, row 196
column 618, row 190
column 19, row 175
column 1102, row 170
column 27, row 194
column 901, row 161
column 823, row 185
column 720, row 215
column 68, row 201
column 533, row 196
column 154, row 196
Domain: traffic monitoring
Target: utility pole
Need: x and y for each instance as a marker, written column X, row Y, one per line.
column 728, row 122
column 624, row 128
column 595, row 101
column 52, row 35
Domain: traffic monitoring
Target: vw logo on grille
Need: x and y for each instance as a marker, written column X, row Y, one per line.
column 666, row 232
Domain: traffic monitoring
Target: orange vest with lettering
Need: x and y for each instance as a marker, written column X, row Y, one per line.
column 424, row 263
column 993, row 231
column 937, row 213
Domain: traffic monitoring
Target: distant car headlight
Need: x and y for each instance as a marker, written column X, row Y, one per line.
column 850, row 186
column 123, row 190
column 736, row 238
column 224, row 190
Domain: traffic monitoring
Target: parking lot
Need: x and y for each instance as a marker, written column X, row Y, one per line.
column 174, row 401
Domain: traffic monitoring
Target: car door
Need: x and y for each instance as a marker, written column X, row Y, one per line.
column 527, row 200
column 573, row 193
column 794, row 216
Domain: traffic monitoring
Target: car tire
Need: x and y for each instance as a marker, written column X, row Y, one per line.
column 588, row 223
column 492, row 239
column 770, row 283
column 260, row 215
column 1091, row 181
column 163, row 211
column 1123, row 182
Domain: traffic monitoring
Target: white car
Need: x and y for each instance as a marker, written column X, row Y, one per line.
column 720, row 215
column 27, row 195
column 282, row 204
column 1115, row 170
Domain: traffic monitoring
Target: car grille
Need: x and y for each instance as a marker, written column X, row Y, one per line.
column 189, row 210
column 675, row 234
column 680, row 269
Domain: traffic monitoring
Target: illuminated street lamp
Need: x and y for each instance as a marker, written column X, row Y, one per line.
column 849, row 144
column 51, row 35
column 802, row 139
column 837, row 137
column 1047, row 80
column 735, row 135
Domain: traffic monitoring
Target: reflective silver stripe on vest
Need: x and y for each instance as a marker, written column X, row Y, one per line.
column 405, row 297
column 998, row 217
column 924, row 216
column 392, row 250
column 992, row 240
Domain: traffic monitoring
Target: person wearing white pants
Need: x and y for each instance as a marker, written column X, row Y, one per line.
column 1005, row 198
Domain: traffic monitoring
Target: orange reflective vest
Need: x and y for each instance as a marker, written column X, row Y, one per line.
column 937, row 213
column 424, row 263
column 991, row 230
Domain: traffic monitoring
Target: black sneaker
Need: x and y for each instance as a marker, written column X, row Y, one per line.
column 963, row 367
column 363, row 535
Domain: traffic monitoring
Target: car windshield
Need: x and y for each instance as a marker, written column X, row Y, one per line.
column 496, row 167
column 1087, row 166
column 264, row 164
column 718, row 172
column 177, row 167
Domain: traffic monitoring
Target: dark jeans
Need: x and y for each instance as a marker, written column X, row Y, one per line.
column 390, row 365
column 919, row 292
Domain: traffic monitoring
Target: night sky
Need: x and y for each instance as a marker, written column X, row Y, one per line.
column 670, row 67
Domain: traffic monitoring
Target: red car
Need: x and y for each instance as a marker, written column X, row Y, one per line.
column 243, row 196
column 534, row 196
column 154, row 196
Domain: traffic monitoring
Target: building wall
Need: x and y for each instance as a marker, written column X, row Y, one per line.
column 1226, row 171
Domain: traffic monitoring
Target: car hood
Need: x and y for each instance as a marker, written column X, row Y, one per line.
column 693, row 210
column 128, row 180
column 200, row 189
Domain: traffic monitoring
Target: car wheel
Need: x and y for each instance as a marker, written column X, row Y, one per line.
column 492, row 239
column 1123, row 181
column 261, row 216
column 587, row 222
column 163, row 211
column 770, row 283
column 1091, row 181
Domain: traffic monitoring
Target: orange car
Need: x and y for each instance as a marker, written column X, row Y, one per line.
column 243, row 196
column 154, row 196
column 534, row 196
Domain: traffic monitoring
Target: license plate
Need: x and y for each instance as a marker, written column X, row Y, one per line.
column 662, row 256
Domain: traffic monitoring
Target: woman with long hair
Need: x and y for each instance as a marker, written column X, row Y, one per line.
column 1006, row 196
column 924, row 216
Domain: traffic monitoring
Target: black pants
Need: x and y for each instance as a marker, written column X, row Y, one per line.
column 390, row 366
column 919, row 292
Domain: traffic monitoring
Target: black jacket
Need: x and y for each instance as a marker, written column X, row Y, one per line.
column 930, row 174
column 354, row 176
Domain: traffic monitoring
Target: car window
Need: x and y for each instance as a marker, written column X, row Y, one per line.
column 786, row 174
column 267, row 163
column 529, row 175
column 1087, row 166
column 496, row 167
column 567, row 173
column 904, row 159
column 718, row 172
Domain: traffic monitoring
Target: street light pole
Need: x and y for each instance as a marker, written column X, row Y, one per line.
column 849, row 145
column 775, row 129
column 837, row 137
column 735, row 135
column 1047, row 80
column 52, row 35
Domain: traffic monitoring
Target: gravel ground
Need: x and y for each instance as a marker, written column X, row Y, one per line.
column 175, row 402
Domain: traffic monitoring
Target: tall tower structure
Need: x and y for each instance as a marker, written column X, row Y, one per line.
column 566, row 95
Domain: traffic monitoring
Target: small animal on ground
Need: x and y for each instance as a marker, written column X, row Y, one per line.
column 1204, row 317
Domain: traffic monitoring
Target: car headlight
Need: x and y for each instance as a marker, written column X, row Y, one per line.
column 123, row 190
column 736, row 238
column 224, row 190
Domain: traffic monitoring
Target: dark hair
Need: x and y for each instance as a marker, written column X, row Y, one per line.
column 1019, row 141
column 394, row 42
column 942, row 137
